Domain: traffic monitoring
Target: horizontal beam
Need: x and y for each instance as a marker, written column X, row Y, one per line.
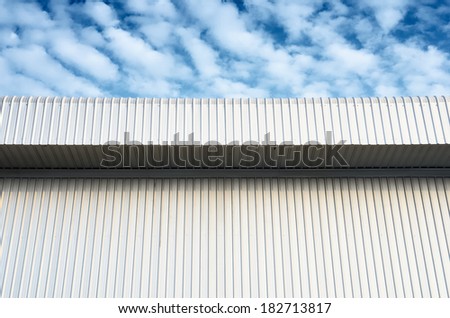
column 223, row 173
column 226, row 157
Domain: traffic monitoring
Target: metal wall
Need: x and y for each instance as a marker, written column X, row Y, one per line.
column 358, row 121
column 272, row 237
column 44, row 132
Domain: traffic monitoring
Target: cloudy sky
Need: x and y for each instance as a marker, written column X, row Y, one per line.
column 214, row 48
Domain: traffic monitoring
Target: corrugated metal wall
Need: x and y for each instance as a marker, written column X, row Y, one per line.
column 47, row 132
column 358, row 121
column 310, row 237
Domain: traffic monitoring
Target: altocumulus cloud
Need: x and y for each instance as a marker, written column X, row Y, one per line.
column 225, row 48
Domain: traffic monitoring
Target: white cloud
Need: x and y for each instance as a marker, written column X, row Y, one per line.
column 8, row 38
column 137, row 54
column 90, row 36
column 316, row 89
column 35, row 63
column 227, row 29
column 386, row 90
column 387, row 12
column 388, row 18
column 430, row 73
column 159, row 34
column 24, row 14
column 145, row 86
column 347, row 59
column 17, row 83
column 83, row 57
column 101, row 13
column 203, row 56
column 293, row 15
column 226, row 88
column 159, row 8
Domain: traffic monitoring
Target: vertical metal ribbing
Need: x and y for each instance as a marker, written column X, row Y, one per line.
column 346, row 237
column 80, row 120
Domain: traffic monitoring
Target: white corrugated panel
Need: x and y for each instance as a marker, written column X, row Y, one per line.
column 94, row 121
column 263, row 237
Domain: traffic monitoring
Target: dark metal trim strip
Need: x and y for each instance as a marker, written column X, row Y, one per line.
column 223, row 173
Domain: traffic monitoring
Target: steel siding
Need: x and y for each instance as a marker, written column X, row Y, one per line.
column 421, row 120
column 285, row 237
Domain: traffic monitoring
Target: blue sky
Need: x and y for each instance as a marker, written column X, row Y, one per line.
column 213, row 48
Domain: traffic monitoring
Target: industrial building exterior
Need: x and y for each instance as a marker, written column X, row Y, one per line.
column 149, row 197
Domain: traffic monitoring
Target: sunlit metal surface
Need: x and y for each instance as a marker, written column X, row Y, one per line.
column 94, row 121
column 225, row 237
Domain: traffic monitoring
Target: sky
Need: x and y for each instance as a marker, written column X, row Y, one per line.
column 214, row 48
